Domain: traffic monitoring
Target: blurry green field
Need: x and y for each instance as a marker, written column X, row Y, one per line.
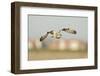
column 44, row 54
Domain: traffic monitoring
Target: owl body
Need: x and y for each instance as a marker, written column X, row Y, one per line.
column 56, row 35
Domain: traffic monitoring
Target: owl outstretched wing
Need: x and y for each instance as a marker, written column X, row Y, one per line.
column 69, row 30
column 46, row 35
column 43, row 37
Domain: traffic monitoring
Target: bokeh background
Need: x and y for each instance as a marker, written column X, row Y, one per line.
column 68, row 47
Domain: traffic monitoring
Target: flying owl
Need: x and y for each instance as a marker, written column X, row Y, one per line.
column 57, row 35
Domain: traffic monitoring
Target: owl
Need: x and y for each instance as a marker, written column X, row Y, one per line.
column 57, row 34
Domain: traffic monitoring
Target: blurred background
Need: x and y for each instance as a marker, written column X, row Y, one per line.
column 57, row 49
column 68, row 47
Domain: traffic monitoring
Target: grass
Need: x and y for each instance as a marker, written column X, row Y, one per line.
column 55, row 50
column 49, row 54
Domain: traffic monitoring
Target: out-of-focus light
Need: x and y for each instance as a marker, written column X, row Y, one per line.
column 38, row 44
column 74, row 45
column 62, row 45
column 77, row 45
column 30, row 45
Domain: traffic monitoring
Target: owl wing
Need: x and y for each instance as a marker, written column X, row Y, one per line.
column 69, row 30
column 44, row 36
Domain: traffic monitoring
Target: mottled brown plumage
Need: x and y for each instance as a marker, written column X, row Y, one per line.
column 57, row 35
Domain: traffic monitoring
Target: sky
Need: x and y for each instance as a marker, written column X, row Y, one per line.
column 38, row 25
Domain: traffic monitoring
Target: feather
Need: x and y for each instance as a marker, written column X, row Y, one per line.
column 69, row 30
column 43, row 37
